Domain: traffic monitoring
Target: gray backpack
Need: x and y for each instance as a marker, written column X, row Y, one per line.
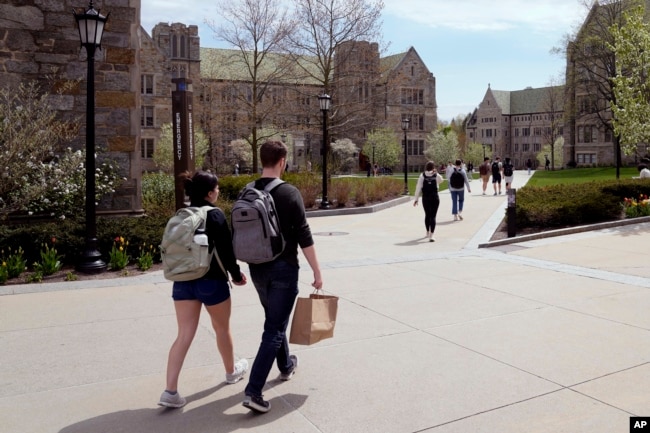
column 256, row 234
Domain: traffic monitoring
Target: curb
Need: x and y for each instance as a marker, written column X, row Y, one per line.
column 358, row 210
column 565, row 231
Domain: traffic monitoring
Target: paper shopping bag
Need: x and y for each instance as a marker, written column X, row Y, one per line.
column 313, row 319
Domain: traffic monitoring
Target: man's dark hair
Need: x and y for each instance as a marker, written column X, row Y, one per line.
column 271, row 152
column 641, row 167
column 430, row 166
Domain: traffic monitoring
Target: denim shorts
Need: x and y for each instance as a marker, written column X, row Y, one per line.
column 208, row 292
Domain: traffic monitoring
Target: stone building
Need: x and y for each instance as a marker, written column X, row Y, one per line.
column 367, row 92
column 40, row 39
column 517, row 124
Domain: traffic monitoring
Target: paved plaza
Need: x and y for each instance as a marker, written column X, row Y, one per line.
column 546, row 335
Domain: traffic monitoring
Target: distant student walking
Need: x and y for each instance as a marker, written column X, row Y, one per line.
column 457, row 183
column 427, row 185
column 508, row 173
column 484, row 172
column 497, row 169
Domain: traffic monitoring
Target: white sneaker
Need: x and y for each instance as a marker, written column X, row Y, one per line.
column 168, row 399
column 455, row 217
column 241, row 367
column 460, row 217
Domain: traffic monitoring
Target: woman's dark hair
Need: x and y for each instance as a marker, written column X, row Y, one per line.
column 641, row 167
column 271, row 152
column 430, row 166
column 198, row 186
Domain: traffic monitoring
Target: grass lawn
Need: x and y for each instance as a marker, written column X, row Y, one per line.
column 579, row 175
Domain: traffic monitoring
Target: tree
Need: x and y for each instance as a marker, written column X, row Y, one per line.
column 442, row 147
column 164, row 151
column 342, row 156
column 258, row 30
column 591, row 67
column 386, row 147
column 631, row 108
column 327, row 33
column 553, row 107
column 474, row 153
column 556, row 152
column 40, row 174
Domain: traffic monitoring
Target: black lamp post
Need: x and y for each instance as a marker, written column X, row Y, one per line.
column 373, row 158
column 325, row 101
column 91, row 28
column 405, row 126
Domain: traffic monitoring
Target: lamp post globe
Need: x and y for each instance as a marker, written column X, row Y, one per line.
column 91, row 25
column 405, row 125
column 325, row 102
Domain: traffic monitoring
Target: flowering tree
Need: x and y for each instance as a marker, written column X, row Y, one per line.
column 443, row 146
column 37, row 177
column 632, row 81
column 386, row 146
column 342, row 155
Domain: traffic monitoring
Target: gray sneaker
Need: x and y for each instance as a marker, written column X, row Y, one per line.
column 287, row 376
column 168, row 399
column 241, row 367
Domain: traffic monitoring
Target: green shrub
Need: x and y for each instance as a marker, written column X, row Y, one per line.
column 158, row 193
column 565, row 205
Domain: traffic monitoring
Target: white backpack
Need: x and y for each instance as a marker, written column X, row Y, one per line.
column 185, row 250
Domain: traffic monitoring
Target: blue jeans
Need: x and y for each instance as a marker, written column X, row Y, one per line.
column 457, row 200
column 276, row 283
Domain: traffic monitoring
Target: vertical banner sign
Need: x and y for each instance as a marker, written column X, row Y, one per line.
column 183, row 134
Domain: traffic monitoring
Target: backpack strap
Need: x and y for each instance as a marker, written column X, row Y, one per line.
column 204, row 211
column 269, row 186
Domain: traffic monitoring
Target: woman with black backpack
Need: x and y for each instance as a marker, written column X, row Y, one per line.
column 428, row 186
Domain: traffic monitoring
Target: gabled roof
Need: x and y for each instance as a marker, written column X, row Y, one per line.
column 393, row 62
column 228, row 65
column 526, row 101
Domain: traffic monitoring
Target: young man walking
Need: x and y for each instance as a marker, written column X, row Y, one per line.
column 497, row 170
column 276, row 282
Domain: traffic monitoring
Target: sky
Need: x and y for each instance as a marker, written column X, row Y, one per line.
column 466, row 44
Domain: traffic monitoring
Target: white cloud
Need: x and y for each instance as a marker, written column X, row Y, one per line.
column 489, row 15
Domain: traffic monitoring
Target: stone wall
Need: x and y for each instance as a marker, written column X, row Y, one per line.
column 39, row 39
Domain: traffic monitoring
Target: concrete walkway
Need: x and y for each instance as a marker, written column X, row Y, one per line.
column 550, row 335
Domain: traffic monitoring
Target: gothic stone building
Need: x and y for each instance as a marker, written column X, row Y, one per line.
column 367, row 92
column 517, row 124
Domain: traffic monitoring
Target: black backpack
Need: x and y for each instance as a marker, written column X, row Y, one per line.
column 456, row 180
column 495, row 168
column 507, row 170
column 429, row 186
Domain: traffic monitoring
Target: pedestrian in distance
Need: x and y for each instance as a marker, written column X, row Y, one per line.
column 276, row 281
column 547, row 164
column 457, row 183
column 529, row 165
column 484, row 172
column 497, row 170
column 428, row 185
column 644, row 172
column 211, row 291
column 508, row 173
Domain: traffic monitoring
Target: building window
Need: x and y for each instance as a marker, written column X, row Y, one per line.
column 586, row 158
column 525, row 147
column 516, row 147
column 146, row 148
column 537, row 147
column 415, row 147
column 146, row 116
column 608, row 135
column 146, row 84
column 525, row 132
column 412, row 96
